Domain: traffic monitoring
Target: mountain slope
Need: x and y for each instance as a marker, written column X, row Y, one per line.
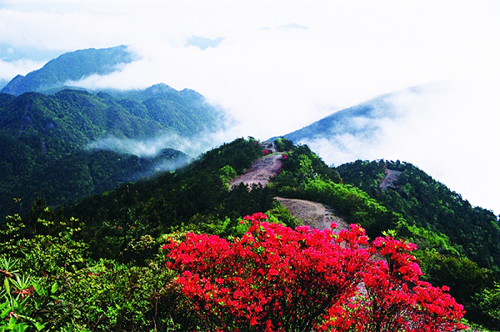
column 40, row 133
column 45, row 127
column 122, row 223
column 71, row 66
column 424, row 202
column 360, row 121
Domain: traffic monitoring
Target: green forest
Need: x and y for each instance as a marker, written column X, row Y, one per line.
column 46, row 141
column 98, row 265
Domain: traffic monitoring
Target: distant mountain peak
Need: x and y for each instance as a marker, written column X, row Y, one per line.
column 72, row 66
column 159, row 89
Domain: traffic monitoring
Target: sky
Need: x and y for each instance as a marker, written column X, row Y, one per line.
column 277, row 66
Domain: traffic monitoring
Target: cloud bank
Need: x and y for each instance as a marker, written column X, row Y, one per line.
column 448, row 131
column 283, row 65
column 10, row 69
column 149, row 148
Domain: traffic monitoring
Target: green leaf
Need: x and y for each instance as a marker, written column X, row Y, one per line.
column 37, row 287
column 6, row 285
column 39, row 326
column 5, row 307
column 20, row 327
column 54, row 288
column 12, row 323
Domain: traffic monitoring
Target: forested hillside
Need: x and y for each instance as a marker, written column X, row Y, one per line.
column 45, row 140
column 468, row 256
column 114, row 274
column 424, row 202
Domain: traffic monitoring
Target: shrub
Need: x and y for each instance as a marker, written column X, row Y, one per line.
column 278, row 279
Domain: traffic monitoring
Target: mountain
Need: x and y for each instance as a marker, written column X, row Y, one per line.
column 3, row 83
column 458, row 243
column 202, row 42
column 359, row 121
column 114, row 241
column 107, row 215
column 63, row 144
column 42, row 135
column 72, row 66
column 184, row 112
column 362, row 124
column 469, row 237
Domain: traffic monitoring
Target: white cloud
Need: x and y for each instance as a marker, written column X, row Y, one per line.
column 153, row 146
column 9, row 70
column 449, row 131
column 278, row 80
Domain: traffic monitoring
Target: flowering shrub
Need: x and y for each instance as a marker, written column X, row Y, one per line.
column 278, row 279
column 395, row 299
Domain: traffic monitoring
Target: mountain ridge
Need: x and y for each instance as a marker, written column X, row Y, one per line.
column 38, row 130
column 200, row 198
column 71, row 66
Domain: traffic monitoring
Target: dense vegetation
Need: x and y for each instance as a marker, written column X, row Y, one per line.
column 427, row 203
column 44, row 140
column 459, row 244
column 104, row 271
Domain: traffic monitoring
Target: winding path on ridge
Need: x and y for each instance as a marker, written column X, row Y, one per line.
column 260, row 172
column 314, row 214
column 390, row 177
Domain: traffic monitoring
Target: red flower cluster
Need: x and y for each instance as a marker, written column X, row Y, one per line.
column 278, row 279
column 266, row 152
column 394, row 298
column 24, row 292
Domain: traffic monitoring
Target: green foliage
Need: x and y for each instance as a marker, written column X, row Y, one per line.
column 428, row 240
column 27, row 301
column 426, row 203
column 489, row 303
column 281, row 214
column 305, row 176
column 52, row 285
column 106, row 265
column 46, row 246
column 458, row 244
column 43, row 141
column 196, row 195
column 110, row 296
column 303, row 164
column 282, row 144
column 227, row 175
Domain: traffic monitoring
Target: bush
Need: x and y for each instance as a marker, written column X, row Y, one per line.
column 278, row 279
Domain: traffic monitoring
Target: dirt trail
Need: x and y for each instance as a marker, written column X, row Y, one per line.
column 315, row 215
column 390, row 177
column 261, row 171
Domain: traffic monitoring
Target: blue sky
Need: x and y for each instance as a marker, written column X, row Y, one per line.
column 282, row 65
